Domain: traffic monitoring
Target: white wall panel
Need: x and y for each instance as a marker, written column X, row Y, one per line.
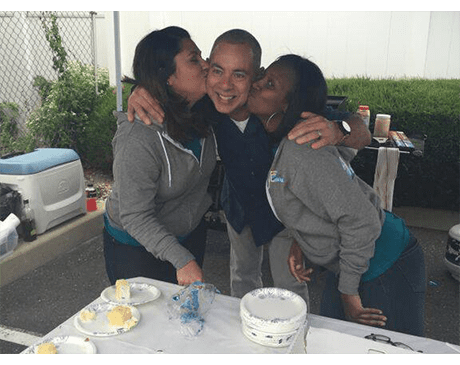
column 443, row 55
column 376, row 44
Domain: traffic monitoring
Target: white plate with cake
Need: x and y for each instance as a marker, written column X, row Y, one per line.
column 106, row 319
column 63, row 345
column 129, row 293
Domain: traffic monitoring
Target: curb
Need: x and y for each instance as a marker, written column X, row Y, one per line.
column 30, row 255
column 440, row 220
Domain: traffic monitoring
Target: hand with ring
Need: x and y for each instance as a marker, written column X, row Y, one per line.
column 317, row 130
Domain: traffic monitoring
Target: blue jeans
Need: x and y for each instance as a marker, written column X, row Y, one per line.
column 123, row 261
column 399, row 292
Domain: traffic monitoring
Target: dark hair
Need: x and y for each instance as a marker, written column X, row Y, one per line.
column 240, row 36
column 152, row 66
column 309, row 92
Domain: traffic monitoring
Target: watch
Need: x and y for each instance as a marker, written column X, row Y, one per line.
column 344, row 128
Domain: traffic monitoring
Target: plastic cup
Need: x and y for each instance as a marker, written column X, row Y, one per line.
column 382, row 125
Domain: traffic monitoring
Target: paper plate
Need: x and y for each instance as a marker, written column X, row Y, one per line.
column 273, row 310
column 67, row 345
column 100, row 325
column 140, row 293
column 268, row 339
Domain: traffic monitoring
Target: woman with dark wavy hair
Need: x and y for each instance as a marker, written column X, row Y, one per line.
column 154, row 216
column 376, row 273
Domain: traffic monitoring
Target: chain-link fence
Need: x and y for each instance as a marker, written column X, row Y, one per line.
column 25, row 54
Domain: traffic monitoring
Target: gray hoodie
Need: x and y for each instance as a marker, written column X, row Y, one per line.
column 160, row 188
column 334, row 215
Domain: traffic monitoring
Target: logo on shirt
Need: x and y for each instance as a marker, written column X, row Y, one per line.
column 347, row 168
column 274, row 177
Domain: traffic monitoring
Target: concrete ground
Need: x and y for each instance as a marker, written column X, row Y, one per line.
column 45, row 282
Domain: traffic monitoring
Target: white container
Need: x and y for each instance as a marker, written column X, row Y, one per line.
column 8, row 235
column 272, row 316
column 382, row 125
column 452, row 255
column 52, row 180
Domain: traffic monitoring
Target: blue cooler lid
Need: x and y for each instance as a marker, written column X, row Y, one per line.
column 39, row 160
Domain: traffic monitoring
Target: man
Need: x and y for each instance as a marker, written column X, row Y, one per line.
column 247, row 154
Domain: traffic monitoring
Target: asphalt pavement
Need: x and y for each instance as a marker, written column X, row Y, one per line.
column 39, row 301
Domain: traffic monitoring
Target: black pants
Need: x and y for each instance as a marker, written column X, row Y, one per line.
column 124, row 261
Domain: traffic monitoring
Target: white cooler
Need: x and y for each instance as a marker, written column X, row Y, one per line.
column 53, row 182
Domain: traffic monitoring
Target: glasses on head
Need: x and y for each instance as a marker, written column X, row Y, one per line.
column 386, row 339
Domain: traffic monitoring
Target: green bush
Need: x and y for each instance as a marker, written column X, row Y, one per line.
column 9, row 115
column 61, row 120
column 43, row 86
column 101, row 129
column 11, row 138
column 417, row 107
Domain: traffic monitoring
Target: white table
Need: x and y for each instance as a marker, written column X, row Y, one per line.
column 155, row 333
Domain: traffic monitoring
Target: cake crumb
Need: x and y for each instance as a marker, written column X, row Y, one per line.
column 87, row 315
column 46, row 348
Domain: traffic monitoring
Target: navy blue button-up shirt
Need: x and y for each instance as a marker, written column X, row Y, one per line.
column 247, row 158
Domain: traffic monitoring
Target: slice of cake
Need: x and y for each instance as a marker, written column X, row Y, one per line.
column 122, row 289
column 87, row 315
column 46, row 348
column 121, row 316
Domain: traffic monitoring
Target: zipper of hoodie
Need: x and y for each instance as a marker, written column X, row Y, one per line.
column 182, row 148
column 162, row 135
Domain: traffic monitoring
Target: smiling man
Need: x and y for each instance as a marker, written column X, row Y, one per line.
column 234, row 64
column 246, row 153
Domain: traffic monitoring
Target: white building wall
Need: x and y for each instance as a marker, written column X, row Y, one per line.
column 443, row 46
column 384, row 44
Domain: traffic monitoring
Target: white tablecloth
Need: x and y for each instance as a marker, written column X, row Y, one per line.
column 155, row 333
